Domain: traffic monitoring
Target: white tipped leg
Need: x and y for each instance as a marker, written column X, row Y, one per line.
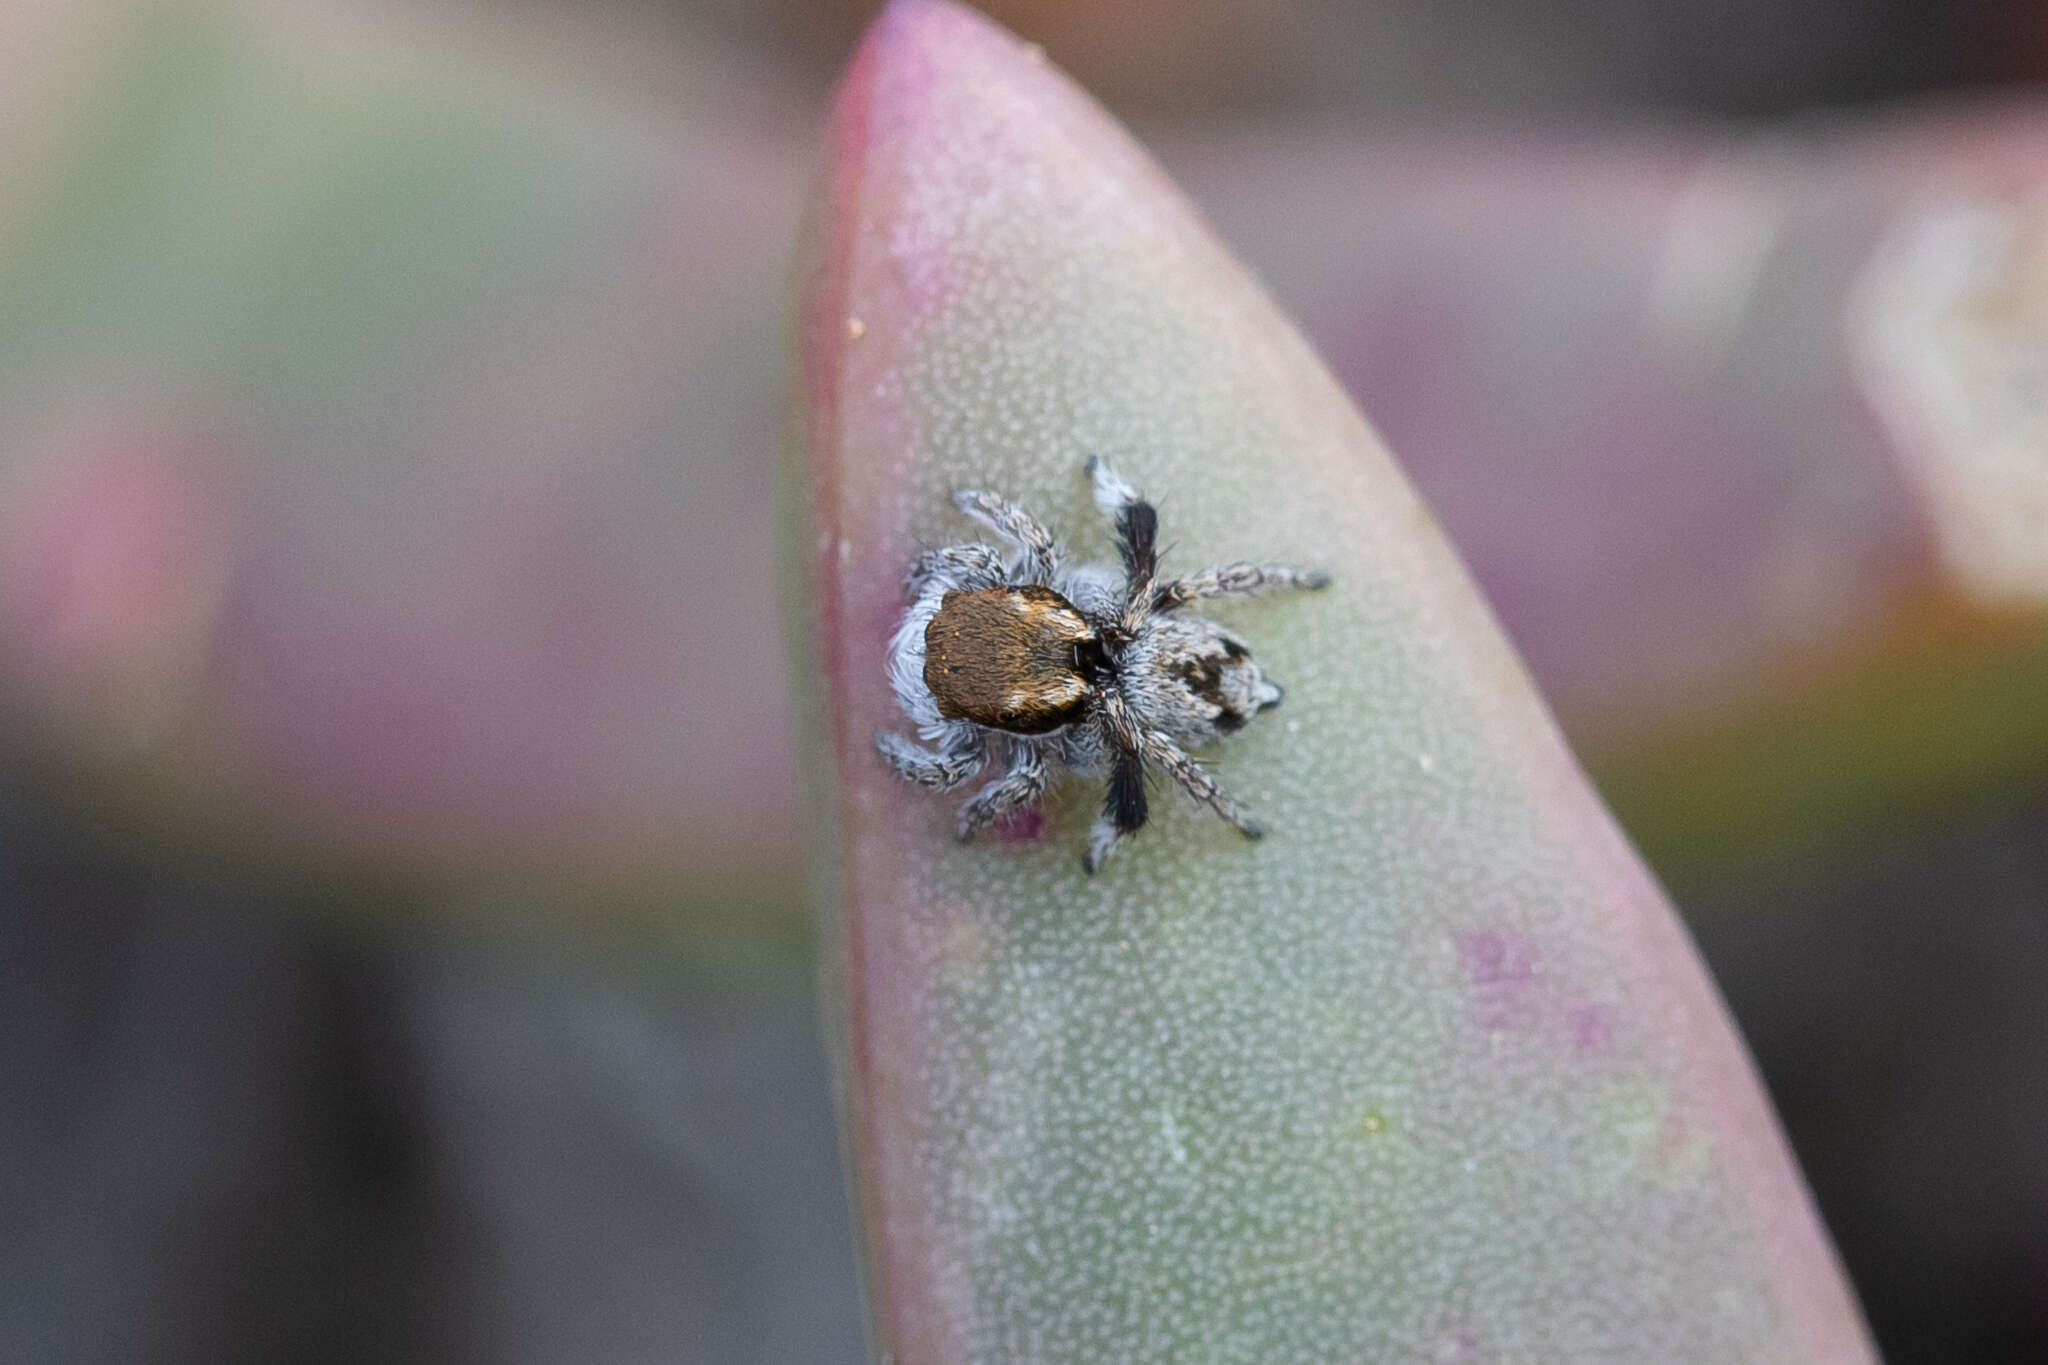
column 938, row 771
column 1124, row 807
column 1112, row 494
column 1104, row 838
column 1040, row 553
column 1235, row 580
column 1137, row 538
column 1020, row 786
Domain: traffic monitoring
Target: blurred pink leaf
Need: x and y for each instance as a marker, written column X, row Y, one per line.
column 387, row 454
column 1431, row 1073
column 1736, row 434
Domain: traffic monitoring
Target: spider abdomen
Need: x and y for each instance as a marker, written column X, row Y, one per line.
column 1009, row 658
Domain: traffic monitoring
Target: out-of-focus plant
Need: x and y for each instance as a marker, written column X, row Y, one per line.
column 387, row 450
column 385, row 432
column 1735, row 431
column 1431, row 1073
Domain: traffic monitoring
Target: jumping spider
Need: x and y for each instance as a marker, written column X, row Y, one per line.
column 1089, row 669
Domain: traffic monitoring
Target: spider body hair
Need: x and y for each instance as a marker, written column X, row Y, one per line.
column 1009, row 655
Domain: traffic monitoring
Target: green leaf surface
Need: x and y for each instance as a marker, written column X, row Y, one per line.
column 1431, row 1073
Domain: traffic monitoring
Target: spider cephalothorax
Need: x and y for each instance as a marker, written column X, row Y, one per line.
column 1093, row 670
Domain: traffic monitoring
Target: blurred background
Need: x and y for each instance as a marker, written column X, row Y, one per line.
column 402, row 943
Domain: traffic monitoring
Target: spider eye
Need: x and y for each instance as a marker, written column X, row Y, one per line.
column 1091, row 660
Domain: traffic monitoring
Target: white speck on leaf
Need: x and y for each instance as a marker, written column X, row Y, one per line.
column 1169, row 1133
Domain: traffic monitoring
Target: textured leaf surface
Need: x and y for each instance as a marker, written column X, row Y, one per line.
column 1430, row 1074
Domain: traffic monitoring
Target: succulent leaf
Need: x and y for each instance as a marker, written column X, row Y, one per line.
column 1429, row 1073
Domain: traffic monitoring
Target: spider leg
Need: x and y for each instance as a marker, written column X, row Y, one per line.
column 1137, row 537
column 1104, row 838
column 1234, row 580
column 1195, row 780
column 1123, row 812
column 1021, row 785
column 1041, row 553
column 1112, row 493
column 939, row 771
column 965, row 567
column 1124, row 808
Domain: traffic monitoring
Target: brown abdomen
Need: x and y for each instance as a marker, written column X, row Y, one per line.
column 1005, row 658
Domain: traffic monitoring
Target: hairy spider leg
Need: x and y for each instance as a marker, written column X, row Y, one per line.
column 1137, row 538
column 1195, row 780
column 941, row 771
column 1021, row 784
column 1234, row 580
column 1124, row 808
column 1112, row 492
column 966, row 567
column 1038, row 553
